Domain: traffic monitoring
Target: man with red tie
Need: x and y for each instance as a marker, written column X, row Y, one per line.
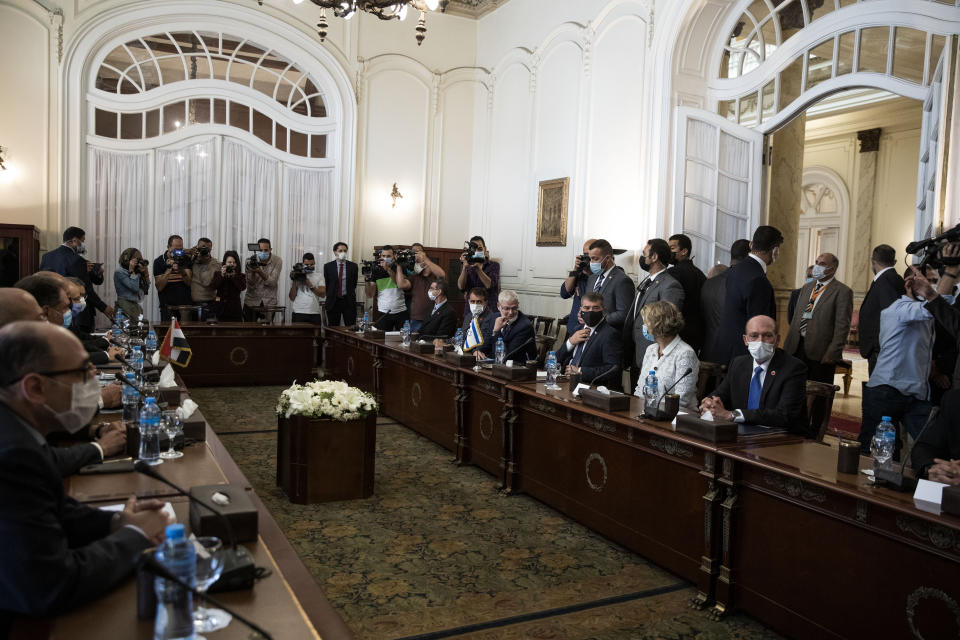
column 340, row 276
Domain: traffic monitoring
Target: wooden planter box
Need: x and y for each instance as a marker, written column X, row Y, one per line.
column 325, row 460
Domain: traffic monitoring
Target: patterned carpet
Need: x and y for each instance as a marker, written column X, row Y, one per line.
column 437, row 552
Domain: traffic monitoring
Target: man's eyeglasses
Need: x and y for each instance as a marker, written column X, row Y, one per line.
column 88, row 370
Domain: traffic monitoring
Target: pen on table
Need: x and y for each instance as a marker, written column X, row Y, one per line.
column 127, row 459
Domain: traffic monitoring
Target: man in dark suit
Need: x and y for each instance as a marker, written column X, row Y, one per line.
column 594, row 349
column 886, row 287
column 477, row 308
column 340, row 276
column 67, row 261
column 658, row 285
column 712, row 295
column 514, row 327
column 610, row 281
column 821, row 322
column 442, row 321
column 691, row 279
column 765, row 387
column 748, row 293
column 56, row 553
column 795, row 294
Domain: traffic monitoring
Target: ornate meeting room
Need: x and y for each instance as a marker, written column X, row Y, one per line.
column 479, row 319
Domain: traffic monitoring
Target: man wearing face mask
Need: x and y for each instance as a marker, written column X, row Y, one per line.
column 263, row 280
column 477, row 307
column 514, row 327
column 305, row 292
column 691, row 279
column 795, row 294
column 172, row 277
column 610, row 281
column 203, row 269
column 100, row 350
column 594, row 350
column 479, row 270
column 748, row 293
column 441, row 323
column 57, row 553
column 821, row 322
column 425, row 273
column 340, row 276
column 764, row 387
column 658, row 285
column 67, row 260
column 388, row 287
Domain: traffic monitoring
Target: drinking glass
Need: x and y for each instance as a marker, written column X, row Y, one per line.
column 172, row 425
column 209, row 566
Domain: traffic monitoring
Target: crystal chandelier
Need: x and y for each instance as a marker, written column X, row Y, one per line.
column 383, row 9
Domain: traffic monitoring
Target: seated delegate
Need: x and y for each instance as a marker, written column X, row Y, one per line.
column 594, row 350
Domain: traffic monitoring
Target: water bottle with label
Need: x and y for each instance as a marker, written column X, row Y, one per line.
column 137, row 364
column 118, row 319
column 500, row 351
column 174, row 619
column 150, row 432
column 150, row 345
column 131, row 399
column 405, row 332
column 882, row 444
column 458, row 338
column 553, row 367
column 365, row 323
column 650, row 389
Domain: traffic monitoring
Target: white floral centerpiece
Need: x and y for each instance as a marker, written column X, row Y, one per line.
column 325, row 400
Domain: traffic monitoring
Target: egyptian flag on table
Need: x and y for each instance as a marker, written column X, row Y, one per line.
column 175, row 348
column 474, row 337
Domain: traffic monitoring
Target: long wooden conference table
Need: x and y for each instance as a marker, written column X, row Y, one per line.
column 287, row 603
column 764, row 525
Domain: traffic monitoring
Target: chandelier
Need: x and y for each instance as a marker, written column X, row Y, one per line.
column 383, row 9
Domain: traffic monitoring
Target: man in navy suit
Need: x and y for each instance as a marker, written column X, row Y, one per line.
column 748, row 293
column 67, row 261
column 477, row 308
column 765, row 387
column 886, row 287
column 594, row 350
column 340, row 276
column 514, row 327
column 442, row 321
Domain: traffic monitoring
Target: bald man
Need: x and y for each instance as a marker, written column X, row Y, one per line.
column 57, row 553
column 17, row 304
column 764, row 387
column 821, row 320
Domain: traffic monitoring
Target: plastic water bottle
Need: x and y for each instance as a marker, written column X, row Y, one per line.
column 174, row 619
column 131, row 399
column 458, row 338
column 366, row 320
column 150, row 345
column 405, row 332
column 650, row 389
column 118, row 319
column 552, row 369
column 884, row 439
column 137, row 357
column 500, row 351
column 150, row 432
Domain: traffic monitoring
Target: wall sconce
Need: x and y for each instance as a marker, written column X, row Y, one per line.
column 3, row 167
column 395, row 194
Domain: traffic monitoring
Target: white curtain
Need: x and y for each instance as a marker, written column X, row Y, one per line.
column 306, row 220
column 118, row 214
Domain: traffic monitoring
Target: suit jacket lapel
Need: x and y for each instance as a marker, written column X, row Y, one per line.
column 768, row 380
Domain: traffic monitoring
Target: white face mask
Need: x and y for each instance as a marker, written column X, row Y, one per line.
column 417, row 268
column 342, row 256
column 432, row 295
column 85, row 400
column 774, row 254
column 761, row 351
column 818, row 271
column 476, row 308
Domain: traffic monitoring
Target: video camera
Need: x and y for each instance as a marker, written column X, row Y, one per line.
column 928, row 250
column 253, row 261
column 299, row 273
column 372, row 271
column 181, row 258
column 471, row 248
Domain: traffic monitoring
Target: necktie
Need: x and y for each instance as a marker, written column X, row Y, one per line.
column 598, row 284
column 813, row 299
column 504, row 331
column 578, row 353
column 753, row 400
column 342, row 292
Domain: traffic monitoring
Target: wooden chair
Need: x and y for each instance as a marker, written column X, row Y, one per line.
column 710, row 376
column 845, row 368
column 544, row 345
column 819, row 406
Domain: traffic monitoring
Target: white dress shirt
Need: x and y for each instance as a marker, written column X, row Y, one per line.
column 737, row 413
column 676, row 358
column 760, row 260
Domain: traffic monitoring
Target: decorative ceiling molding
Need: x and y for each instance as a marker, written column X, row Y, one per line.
column 471, row 8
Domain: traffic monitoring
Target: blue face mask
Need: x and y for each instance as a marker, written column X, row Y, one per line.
column 596, row 267
column 647, row 335
column 263, row 256
column 388, row 261
column 67, row 318
column 308, row 269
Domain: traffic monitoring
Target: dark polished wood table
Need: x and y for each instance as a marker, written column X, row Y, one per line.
column 763, row 525
column 248, row 354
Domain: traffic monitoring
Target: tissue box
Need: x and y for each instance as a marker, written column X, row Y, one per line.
column 373, row 334
column 393, row 336
column 416, row 347
column 171, row 396
column 240, row 512
column 614, row 401
column 195, row 427
column 466, row 360
column 515, row 374
column 715, row 432
column 950, row 500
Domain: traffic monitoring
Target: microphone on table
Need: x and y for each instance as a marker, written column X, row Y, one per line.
column 655, row 413
column 604, row 374
column 510, row 355
column 148, row 563
column 893, row 477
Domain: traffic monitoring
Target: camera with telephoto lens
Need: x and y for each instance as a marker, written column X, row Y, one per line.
column 231, row 268
column 298, row 273
column 181, row 258
column 929, row 250
column 142, row 264
column 405, row 258
column 584, row 270
column 470, row 249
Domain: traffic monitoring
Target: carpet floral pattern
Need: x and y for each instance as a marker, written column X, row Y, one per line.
column 437, row 547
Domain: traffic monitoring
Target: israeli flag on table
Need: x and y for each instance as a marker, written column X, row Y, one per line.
column 474, row 337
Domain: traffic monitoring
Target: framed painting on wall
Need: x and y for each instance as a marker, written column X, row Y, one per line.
column 552, row 212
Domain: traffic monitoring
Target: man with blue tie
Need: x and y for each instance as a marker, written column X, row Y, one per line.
column 765, row 387
column 594, row 350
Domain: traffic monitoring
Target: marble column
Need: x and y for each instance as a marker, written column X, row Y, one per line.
column 786, row 196
column 859, row 271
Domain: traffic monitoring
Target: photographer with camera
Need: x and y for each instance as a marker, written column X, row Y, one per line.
column 477, row 270
column 228, row 283
column 172, row 274
column 386, row 282
column 425, row 273
column 263, row 280
column 340, row 278
column 68, row 261
column 205, row 266
column 576, row 285
column 306, row 290
column 131, row 280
